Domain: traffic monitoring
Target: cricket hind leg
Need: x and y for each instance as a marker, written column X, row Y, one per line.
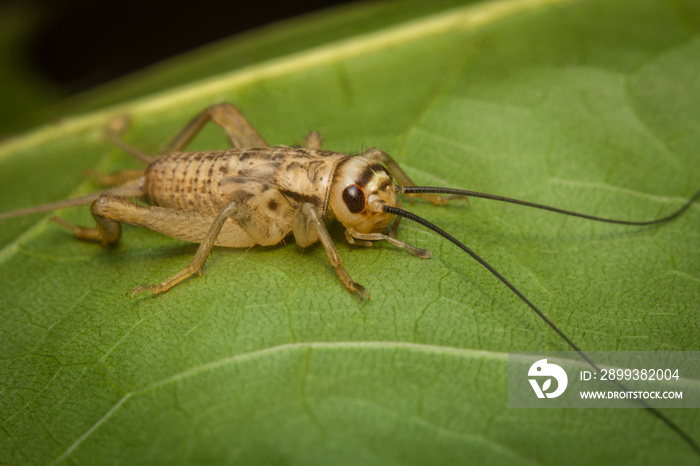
column 109, row 211
column 309, row 228
column 249, row 228
column 240, row 132
column 107, row 231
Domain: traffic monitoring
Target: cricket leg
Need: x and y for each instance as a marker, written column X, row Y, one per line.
column 248, row 226
column 353, row 236
column 357, row 241
column 109, row 211
column 107, row 231
column 240, row 132
column 308, row 228
column 314, row 140
column 259, row 229
column 115, row 128
column 116, row 178
column 199, row 258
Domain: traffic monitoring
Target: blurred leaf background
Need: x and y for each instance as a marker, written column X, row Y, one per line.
column 65, row 57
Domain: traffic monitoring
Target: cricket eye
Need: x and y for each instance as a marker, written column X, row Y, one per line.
column 354, row 199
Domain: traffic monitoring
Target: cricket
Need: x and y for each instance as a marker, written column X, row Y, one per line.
column 254, row 194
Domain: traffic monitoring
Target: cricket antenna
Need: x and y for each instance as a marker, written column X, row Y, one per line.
column 465, row 192
column 130, row 189
column 411, row 216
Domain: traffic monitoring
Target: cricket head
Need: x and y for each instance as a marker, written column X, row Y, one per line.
column 360, row 190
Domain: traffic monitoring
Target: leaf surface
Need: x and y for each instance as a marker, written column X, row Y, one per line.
column 588, row 105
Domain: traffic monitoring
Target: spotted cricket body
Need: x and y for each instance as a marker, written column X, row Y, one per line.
column 251, row 194
column 273, row 182
column 277, row 191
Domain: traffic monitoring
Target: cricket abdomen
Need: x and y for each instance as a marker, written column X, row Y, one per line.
column 190, row 180
column 205, row 182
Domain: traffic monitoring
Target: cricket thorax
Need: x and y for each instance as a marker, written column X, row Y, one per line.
column 306, row 175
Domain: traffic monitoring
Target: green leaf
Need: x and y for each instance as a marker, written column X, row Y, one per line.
column 588, row 105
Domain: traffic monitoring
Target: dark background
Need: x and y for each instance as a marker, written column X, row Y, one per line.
column 80, row 44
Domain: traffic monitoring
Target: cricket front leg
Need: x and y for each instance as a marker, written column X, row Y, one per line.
column 355, row 237
column 309, row 228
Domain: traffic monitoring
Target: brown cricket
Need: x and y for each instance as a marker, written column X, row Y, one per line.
column 256, row 194
column 251, row 194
